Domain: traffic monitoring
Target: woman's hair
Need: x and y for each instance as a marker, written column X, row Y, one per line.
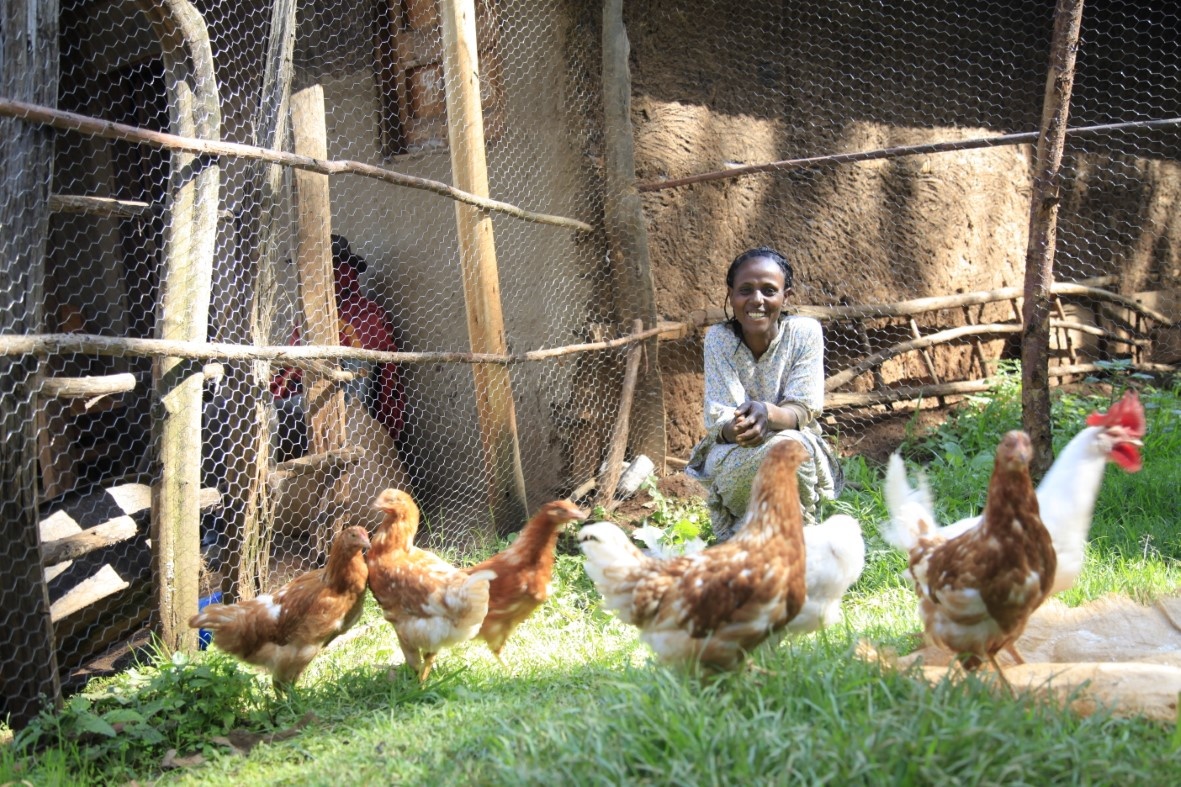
column 750, row 254
column 761, row 251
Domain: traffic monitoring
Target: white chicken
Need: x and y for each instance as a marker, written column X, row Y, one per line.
column 834, row 559
column 1066, row 496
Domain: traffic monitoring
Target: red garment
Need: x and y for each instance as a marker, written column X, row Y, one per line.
column 363, row 324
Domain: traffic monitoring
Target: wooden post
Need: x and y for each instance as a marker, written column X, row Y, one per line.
column 477, row 254
column 192, row 208
column 627, row 234
column 29, row 71
column 1043, row 232
column 323, row 399
column 616, row 447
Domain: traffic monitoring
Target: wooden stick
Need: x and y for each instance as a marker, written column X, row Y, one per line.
column 897, row 152
column 1089, row 288
column 282, row 354
column 840, row 400
column 98, row 206
column 926, row 356
column 865, row 364
column 82, row 124
column 1043, row 235
column 85, row 387
column 618, row 445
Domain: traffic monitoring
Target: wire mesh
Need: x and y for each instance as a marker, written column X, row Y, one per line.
column 714, row 86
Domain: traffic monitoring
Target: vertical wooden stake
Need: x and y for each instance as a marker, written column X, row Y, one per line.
column 615, row 449
column 477, row 253
column 323, row 399
column 1043, row 232
column 627, row 234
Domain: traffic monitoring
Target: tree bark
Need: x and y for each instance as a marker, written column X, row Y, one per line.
column 1043, row 232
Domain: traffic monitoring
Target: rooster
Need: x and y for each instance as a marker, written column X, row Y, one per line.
column 977, row 590
column 283, row 631
column 431, row 603
column 712, row 607
column 523, row 573
column 1066, row 496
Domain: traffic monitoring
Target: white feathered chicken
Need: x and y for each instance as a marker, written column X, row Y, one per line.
column 1066, row 496
column 835, row 558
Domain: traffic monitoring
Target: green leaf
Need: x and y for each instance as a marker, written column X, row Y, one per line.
column 88, row 722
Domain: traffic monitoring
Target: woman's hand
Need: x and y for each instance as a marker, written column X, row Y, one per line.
column 750, row 423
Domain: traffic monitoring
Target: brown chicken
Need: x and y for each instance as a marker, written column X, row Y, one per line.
column 712, row 607
column 523, row 572
column 977, row 590
column 283, row 631
column 431, row 603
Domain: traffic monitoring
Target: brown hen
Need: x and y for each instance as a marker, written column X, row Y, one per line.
column 283, row 631
column 712, row 607
column 523, row 572
column 977, row 590
column 431, row 603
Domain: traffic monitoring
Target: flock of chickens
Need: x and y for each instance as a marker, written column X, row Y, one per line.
column 977, row 580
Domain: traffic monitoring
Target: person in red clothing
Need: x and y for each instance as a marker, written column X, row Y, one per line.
column 365, row 324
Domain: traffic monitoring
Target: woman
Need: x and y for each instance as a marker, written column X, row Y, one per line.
column 764, row 382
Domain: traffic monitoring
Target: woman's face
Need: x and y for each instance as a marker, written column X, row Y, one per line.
column 757, row 295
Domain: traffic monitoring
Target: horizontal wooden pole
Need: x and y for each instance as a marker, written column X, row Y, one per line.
column 839, row 401
column 950, row 146
column 96, row 127
column 84, row 387
column 60, row 343
column 98, row 206
column 72, row 547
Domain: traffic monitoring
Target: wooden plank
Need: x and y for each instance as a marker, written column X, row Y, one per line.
column 323, row 400
column 29, row 72
column 1043, row 233
column 627, row 233
column 481, row 278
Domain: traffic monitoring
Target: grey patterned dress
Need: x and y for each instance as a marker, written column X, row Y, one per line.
column 791, row 371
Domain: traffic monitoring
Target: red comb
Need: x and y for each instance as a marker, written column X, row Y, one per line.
column 1127, row 412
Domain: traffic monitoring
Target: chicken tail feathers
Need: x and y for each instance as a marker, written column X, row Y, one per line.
column 216, row 617
column 910, row 508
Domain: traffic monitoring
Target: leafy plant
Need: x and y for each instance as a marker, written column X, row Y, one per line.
column 674, row 526
column 170, row 702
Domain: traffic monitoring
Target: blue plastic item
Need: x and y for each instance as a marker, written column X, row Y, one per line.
column 205, row 636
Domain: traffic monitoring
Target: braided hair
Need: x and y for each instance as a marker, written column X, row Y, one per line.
column 750, row 254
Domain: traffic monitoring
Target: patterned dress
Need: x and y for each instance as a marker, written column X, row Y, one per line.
column 791, row 371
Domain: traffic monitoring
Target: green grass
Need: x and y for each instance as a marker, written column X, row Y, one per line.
column 582, row 703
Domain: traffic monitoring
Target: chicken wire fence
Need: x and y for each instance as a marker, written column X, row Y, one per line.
column 292, row 448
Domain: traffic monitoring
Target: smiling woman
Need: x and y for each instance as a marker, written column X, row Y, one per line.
column 764, row 383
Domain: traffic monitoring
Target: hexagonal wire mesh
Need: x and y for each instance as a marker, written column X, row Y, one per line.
column 715, row 86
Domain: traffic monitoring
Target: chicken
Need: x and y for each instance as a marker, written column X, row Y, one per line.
column 283, row 631
column 431, row 603
column 835, row 559
column 1066, row 496
column 523, row 573
column 977, row 590
column 712, row 607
